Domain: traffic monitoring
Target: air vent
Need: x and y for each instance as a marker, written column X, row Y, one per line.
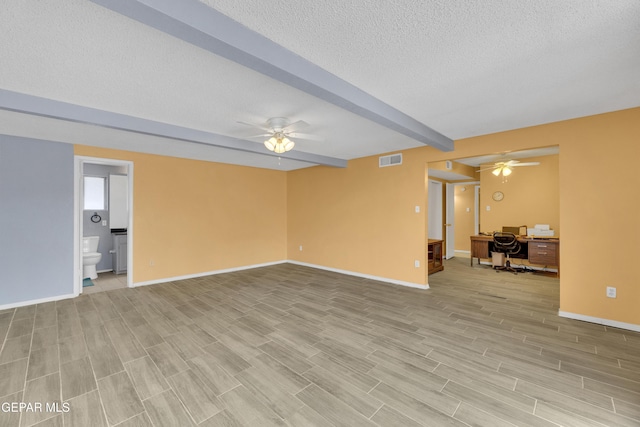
column 390, row 160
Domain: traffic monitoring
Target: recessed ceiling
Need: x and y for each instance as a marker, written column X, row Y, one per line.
column 491, row 158
column 510, row 155
column 461, row 69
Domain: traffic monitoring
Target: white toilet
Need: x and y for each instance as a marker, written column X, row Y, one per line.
column 90, row 256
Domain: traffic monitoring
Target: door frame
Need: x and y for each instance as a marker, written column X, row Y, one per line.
column 78, row 189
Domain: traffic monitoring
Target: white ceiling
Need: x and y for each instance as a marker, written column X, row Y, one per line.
column 462, row 68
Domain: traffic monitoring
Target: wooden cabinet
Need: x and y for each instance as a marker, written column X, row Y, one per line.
column 543, row 253
column 479, row 249
column 435, row 256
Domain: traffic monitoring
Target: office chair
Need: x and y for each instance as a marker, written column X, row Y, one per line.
column 506, row 243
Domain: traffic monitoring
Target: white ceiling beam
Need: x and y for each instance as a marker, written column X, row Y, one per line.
column 29, row 104
column 194, row 22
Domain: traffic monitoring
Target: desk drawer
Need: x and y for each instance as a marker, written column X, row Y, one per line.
column 544, row 253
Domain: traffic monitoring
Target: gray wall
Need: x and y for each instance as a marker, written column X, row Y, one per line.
column 36, row 219
column 92, row 229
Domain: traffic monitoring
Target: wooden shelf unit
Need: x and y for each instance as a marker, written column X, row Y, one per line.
column 435, row 256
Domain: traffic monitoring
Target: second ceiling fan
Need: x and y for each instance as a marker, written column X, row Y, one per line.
column 505, row 167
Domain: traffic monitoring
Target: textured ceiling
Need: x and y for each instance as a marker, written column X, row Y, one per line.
column 463, row 68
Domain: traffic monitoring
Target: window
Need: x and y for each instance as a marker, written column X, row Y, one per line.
column 94, row 193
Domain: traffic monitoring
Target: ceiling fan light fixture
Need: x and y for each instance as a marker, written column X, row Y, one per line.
column 496, row 171
column 288, row 144
column 271, row 143
column 506, row 171
column 279, row 144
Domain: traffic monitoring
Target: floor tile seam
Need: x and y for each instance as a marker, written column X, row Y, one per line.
column 104, row 409
column 26, row 372
column 232, row 388
column 424, row 402
column 528, row 339
column 144, row 411
column 593, row 420
column 356, row 388
column 601, row 372
column 497, row 414
column 578, row 401
column 453, row 415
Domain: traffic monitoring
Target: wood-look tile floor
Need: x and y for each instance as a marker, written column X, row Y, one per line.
column 290, row 345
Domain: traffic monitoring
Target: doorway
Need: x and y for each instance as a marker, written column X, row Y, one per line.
column 435, row 210
column 92, row 220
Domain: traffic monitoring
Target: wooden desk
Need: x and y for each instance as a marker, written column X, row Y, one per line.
column 544, row 252
column 435, row 256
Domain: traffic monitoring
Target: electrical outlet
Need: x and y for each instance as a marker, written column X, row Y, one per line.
column 611, row 292
column 152, row 262
column 417, row 263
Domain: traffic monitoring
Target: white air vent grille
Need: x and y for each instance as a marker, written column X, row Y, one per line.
column 390, row 160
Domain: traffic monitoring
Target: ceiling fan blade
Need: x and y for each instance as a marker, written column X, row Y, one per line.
column 300, row 124
column 308, row 136
column 253, row 125
column 525, row 164
column 262, row 135
column 488, row 169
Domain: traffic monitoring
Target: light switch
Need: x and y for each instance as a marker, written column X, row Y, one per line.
column 488, row 207
column 104, row 222
column 468, row 209
column 417, row 209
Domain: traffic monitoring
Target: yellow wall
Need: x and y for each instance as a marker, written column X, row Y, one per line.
column 362, row 219
column 464, row 221
column 193, row 216
column 531, row 196
column 456, row 167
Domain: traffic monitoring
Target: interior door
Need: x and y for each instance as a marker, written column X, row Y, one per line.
column 449, row 227
column 435, row 210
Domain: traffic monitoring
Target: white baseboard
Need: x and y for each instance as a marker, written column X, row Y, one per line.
column 462, row 254
column 600, row 321
column 36, row 301
column 206, row 273
column 366, row 276
column 227, row 270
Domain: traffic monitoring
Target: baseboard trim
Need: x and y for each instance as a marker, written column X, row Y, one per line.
column 365, row 276
column 600, row 321
column 227, row 270
column 36, row 301
column 206, row 273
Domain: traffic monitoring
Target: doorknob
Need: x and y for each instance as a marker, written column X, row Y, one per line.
column 447, row 225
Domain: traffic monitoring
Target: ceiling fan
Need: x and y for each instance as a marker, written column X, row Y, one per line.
column 505, row 167
column 279, row 133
